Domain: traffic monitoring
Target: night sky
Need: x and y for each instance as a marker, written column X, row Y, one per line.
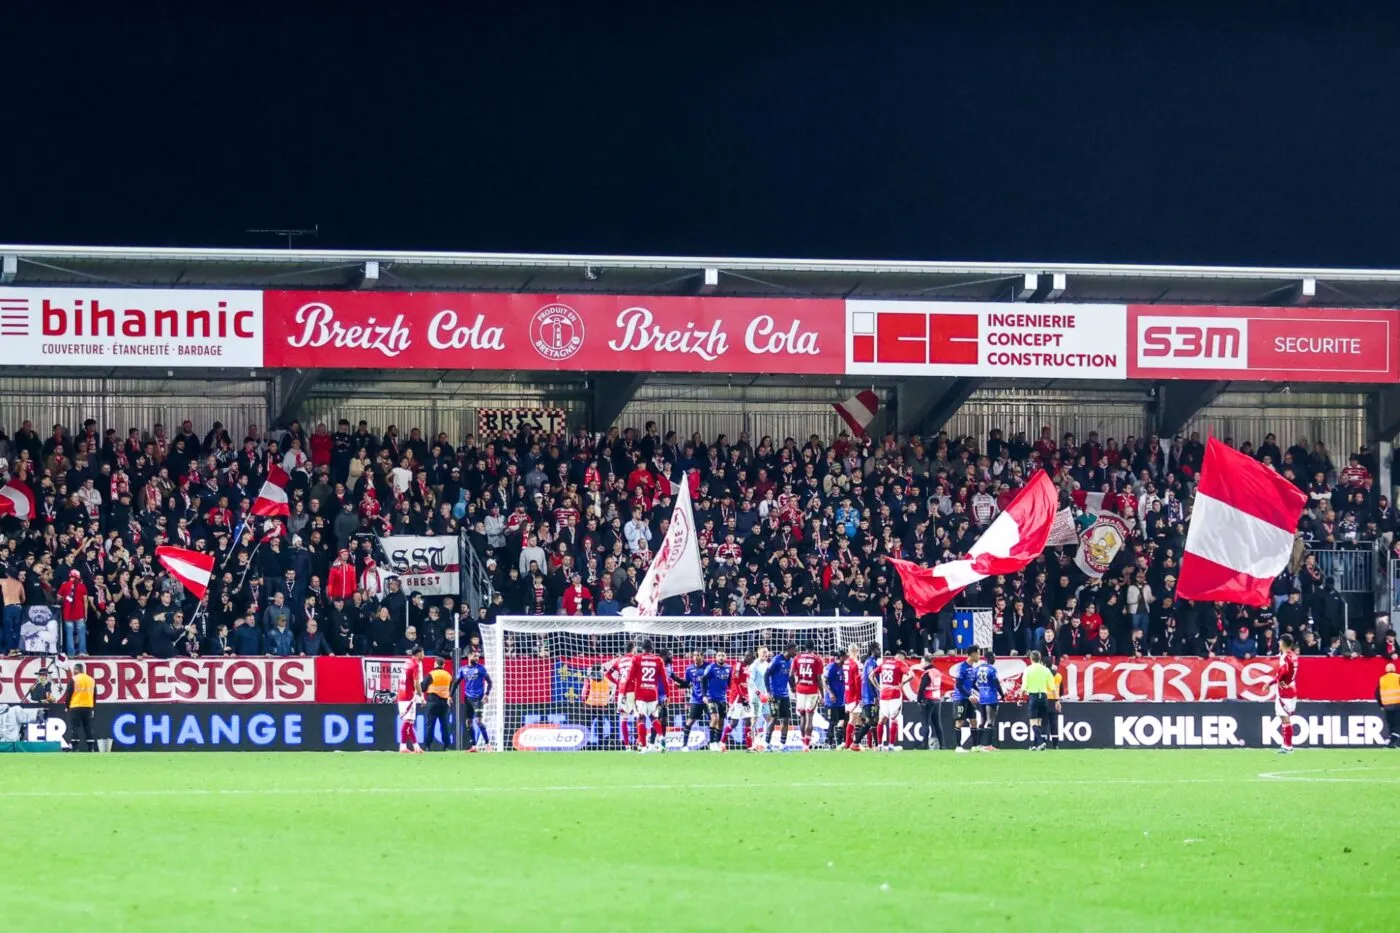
column 1180, row 134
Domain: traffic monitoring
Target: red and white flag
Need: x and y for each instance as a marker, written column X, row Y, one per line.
column 676, row 568
column 1241, row 532
column 1014, row 539
column 191, row 568
column 859, row 410
column 272, row 500
column 17, row 499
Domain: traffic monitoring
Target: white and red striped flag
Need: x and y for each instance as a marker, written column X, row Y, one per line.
column 1014, row 539
column 1241, row 532
column 272, row 500
column 676, row 568
column 191, row 568
column 859, row 410
column 17, row 499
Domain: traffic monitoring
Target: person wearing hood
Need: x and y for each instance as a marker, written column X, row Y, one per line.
column 75, row 602
column 340, row 582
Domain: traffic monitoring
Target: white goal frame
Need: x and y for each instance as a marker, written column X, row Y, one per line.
column 845, row 629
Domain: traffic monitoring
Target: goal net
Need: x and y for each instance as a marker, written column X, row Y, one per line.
column 551, row 691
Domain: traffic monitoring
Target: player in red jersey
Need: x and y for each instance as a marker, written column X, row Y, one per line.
column 410, row 695
column 645, row 683
column 853, row 677
column 1286, row 693
column 807, row 686
column 889, row 678
column 618, row 671
column 739, row 708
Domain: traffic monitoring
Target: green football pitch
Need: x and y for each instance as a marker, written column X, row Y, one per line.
column 1071, row 840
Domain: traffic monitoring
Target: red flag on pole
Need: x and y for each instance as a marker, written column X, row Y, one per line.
column 272, row 500
column 1242, row 528
column 191, row 568
column 1009, row 544
column 859, row 410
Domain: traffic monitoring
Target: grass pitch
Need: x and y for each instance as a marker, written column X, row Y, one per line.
column 1071, row 840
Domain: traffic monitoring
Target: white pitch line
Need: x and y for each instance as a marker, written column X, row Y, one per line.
column 585, row 788
column 1300, row 776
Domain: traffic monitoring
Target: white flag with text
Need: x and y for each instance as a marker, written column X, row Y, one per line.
column 675, row 570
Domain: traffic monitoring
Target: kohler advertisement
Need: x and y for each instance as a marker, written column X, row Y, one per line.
column 1175, row 725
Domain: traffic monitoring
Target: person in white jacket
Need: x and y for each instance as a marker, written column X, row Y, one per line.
column 495, row 524
column 532, row 552
column 637, row 532
column 13, row 719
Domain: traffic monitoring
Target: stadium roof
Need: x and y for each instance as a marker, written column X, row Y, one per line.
column 527, row 272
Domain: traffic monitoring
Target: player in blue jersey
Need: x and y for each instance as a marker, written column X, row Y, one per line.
column 989, row 696
column 696, row 711
column 965, row 699
column 475, row 685
column 834, row 697
column 778, row 680
column 869, row 695
column 714, row 683
column 660, row 725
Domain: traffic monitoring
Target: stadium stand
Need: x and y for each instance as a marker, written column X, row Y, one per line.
column 565, row 525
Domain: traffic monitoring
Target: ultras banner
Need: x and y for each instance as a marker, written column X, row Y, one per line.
column 578, row 679
column 1174, row 725
column 427, row 564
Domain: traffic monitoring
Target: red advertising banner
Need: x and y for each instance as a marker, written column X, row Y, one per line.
column 570, row 680
column 475, row 330
column 183, row 680
column 1167, row 680
column 527, row 680
column 1293, row 344
column 342, row 679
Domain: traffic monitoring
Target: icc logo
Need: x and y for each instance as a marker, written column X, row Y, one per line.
column 556, row 332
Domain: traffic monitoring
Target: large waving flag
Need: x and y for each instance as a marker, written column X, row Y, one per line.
column 675, row 570
column 272, row 500
column 1241, row 532
column 1012, row 541
column 191, row 568
column 859, row 410
column 17, row 500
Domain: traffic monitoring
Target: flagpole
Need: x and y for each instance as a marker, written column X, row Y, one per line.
column 462, row 544
column 250, row 564
column 233, row 545
column 203, row 608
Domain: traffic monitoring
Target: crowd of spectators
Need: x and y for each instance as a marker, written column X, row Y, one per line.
column 566, row 525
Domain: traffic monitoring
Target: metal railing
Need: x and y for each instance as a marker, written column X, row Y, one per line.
column 1393, row 579
column 1351, row 570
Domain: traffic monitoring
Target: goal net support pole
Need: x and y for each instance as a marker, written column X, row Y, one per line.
column 550, row 692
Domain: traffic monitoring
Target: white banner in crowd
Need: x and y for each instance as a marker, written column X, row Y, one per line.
column 427, row 564
column 675, row 570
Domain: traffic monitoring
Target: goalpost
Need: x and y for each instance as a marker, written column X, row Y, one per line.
column 549, row 691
